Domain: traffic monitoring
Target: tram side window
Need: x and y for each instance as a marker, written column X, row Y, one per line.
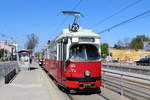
column 64, row 51
column 52, row 51
column 55, row 56
column 52, row 55
column 59, row 53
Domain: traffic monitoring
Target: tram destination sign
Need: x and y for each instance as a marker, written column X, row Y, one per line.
column 86, row 39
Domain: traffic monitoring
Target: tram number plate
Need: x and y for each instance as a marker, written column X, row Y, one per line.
column 87, row 85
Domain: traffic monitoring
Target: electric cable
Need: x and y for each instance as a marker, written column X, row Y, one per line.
column 116, row 13
column 124, row 22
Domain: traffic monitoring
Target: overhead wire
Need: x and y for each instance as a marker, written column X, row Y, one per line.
column 77, row 5
column 116, row 13
column 124, row 22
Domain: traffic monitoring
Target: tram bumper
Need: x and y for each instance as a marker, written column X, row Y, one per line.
column 83, row 83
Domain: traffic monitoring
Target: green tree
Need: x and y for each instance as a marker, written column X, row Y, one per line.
column 37, row 54
column 137, row 42
column 104, row 50
column 3, row 54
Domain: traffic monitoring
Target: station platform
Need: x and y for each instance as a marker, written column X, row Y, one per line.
column 30, row 85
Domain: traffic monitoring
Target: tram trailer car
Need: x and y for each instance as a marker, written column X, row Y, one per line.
column 73, row 60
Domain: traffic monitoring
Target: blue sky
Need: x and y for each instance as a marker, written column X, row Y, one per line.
column 18, row 18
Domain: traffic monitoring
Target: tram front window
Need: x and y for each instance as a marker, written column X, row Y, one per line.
column 84, row 53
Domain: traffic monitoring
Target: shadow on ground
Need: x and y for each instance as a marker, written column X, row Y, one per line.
column 33, row 68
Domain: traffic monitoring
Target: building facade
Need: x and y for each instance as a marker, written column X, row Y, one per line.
column 129, row 55
column 7, row 49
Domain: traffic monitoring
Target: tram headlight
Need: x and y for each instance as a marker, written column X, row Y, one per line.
column 87, row 73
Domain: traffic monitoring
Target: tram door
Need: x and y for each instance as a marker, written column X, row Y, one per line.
column 61, row 58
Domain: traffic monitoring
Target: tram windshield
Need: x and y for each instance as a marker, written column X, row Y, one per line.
column 84, row 53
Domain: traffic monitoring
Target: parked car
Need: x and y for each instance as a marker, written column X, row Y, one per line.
column 143, row 62
column 115, row 61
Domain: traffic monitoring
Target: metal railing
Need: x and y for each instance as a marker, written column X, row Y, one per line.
column 7, row 71
column 145, row 70
column 132, row 89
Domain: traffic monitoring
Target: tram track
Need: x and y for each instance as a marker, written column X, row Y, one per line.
column 87, row 97
column 103, row 96
column 70, row 97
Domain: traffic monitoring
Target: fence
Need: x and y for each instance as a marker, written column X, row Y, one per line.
column 131, row 89
column 7, row 71
column 145, row 70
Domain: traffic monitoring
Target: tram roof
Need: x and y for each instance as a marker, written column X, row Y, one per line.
column 80, row 33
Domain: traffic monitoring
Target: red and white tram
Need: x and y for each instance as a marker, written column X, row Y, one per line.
column 73, row 59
